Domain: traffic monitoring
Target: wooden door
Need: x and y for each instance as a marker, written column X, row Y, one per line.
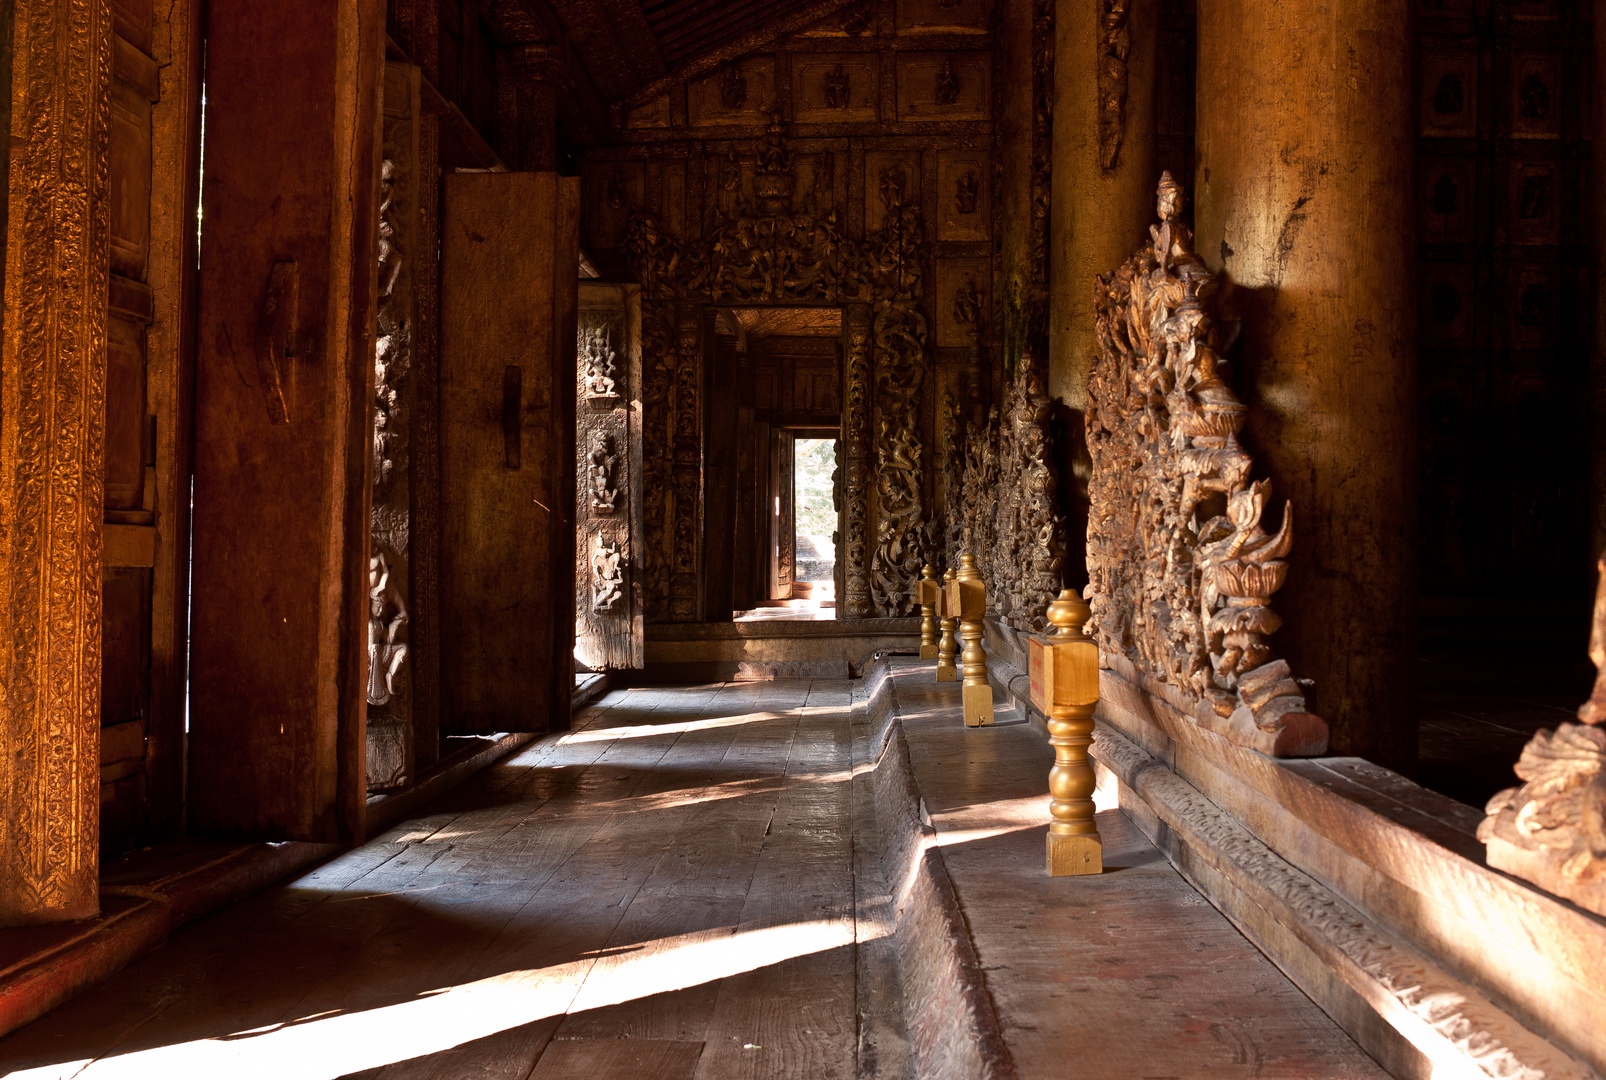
column 509, row 294
column 783, row 529
column 283, row 420
column 608, row 597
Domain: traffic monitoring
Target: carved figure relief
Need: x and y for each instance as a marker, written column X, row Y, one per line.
column 732, row 88
column 617, row 197
column 947, row 84
column 775, row 251
column 603, row 493
column 1115, row 46
column 967, row 306
column 1552, row 829
column 390, row 518
column 607, row 576
column 836, row 88
column 966, row 192
column 1182, row 567
column 599, row 366
column 387, row 617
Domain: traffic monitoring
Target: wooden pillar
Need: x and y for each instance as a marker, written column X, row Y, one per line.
column 1104, row 170
column 52, row 400
column 1597, row 359
column 284, row 378
column 532, row 74
column 1304, row 199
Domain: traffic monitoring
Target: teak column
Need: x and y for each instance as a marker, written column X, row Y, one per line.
column 52, row 408
column 1304, row 199
column 1104, row 171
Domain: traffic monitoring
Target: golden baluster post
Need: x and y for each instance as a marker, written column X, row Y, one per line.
column 967, row 598
column 1065, row 687
column 948, row 647
column 930, row 597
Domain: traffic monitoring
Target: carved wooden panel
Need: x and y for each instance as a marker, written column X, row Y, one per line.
column 1504, row 308
column 130, row 176
column 963, row 299
column 950, row 16
column 608, row 602
column 964, row 195
column 944, row 86
column 1448, row 94
column 834, row 88
column 741, row 92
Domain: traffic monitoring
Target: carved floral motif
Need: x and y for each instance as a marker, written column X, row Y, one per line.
column 1008, row 515
column 1181, row 568
column 1552, row 829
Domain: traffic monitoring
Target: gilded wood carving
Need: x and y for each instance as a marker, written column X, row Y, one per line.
column 51, row 451
column 1552, row 829
column 1115, row 46
column 776, row 249
column 1008, row 514
column 1182, row 569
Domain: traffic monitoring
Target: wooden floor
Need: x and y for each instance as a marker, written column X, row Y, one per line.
column 680, row 888
column 665, row 893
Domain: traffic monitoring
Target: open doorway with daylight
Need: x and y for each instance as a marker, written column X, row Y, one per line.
column 814, row 519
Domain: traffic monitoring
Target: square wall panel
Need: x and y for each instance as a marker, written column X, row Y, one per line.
column 830, row 88
column 1535, row 96
column 964, row 195
column 1446, row 200
column 945, row 16
column 955, row 278
column 1448, row 94
column 944, row 86
column 1533, row 202
column 741, row 92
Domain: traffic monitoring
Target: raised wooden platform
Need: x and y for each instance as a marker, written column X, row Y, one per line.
column 772, row 649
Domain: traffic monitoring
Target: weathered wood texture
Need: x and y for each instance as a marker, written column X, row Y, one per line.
column 509, row 281
column 283, row 385
column 52, row 390
column 1067, row 961
column 673, row 879
column 1303, row 200
column 1398, row 866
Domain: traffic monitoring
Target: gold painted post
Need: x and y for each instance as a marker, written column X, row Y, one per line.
column 967, row 598
column 930, row 597
column 948, row 647
column 1065, row 687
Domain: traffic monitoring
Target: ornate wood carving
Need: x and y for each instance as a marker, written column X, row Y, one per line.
column 599, row 368
column 856, row 332
column 610, row 576
column 389, row 739
column 772, row 252
column 1008, row 514
column 53, row 395
column 1181, row 568
column 836, row 88
column 947, row 84
column 657, row 363
column 1115, row 46
column 1552, row 829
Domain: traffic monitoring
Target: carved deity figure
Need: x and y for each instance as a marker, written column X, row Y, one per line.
column 836, row 88
column 607, row 576
column 967, row 306
column 600, row 363
column 603, row 494
column 732, row 89
column 966, row 193
column 387, row 616
column 947, row 84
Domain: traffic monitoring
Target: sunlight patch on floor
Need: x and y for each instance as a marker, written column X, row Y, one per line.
column 324, row 1047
